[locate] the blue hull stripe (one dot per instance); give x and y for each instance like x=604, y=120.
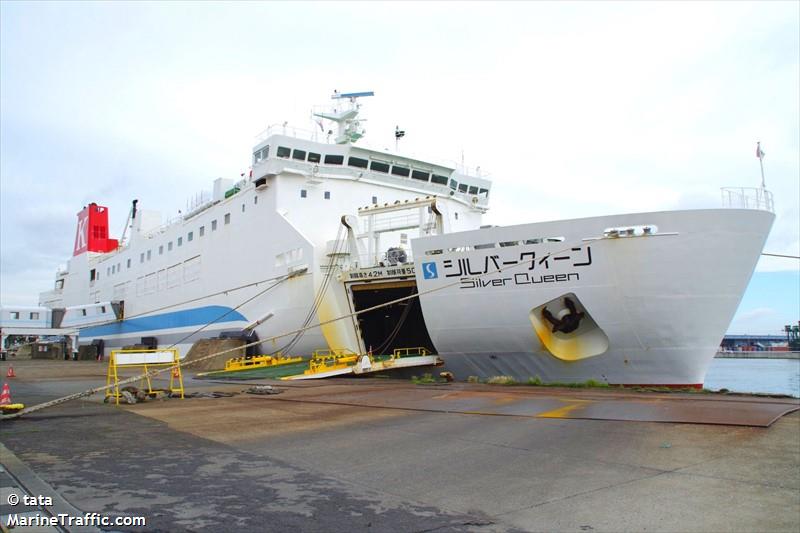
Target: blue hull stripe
x=179, y=319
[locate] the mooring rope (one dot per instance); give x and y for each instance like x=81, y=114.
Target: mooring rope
x=153, y=373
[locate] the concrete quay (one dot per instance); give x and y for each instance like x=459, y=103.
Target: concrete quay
x=379, y=455
x=758, y=355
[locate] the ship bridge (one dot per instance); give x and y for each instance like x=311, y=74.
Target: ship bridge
x=330, y=154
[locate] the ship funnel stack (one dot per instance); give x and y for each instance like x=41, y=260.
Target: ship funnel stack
x=349, y=129
x=92, y=234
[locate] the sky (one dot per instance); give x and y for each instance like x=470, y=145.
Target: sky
x=574, y=108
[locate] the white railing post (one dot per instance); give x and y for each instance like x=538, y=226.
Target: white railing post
x=747, y=198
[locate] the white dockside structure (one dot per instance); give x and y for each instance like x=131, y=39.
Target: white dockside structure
x=323, y=228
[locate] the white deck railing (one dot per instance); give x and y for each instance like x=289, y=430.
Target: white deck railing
x=747, y=198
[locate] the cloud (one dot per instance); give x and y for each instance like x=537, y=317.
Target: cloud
x=757, y=320
x=575, y=109
x=756, y=314
x=761, y=320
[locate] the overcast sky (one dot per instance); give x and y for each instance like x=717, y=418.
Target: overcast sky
x=576, y=109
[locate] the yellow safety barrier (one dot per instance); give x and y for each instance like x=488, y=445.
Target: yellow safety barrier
x=418, y=351
x=258, y=361
x=123, y=359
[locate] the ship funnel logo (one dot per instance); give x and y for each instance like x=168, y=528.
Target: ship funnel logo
x=429, y=270
x=81, y=237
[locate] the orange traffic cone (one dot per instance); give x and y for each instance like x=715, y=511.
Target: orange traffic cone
x=10, y=373
x=5, y=396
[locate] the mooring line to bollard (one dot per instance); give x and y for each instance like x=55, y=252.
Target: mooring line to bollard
x=153, y=373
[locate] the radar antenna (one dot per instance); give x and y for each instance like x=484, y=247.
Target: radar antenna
x=349, y=125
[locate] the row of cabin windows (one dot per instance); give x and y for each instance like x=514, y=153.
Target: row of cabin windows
x=375, y=166
x=113, y=269
x=33, y=316
x=358, y=162
x=469, y=189
x=311, y=157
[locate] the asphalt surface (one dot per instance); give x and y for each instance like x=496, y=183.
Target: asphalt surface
x=261, y=463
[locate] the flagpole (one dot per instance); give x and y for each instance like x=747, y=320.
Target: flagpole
x=761, y=163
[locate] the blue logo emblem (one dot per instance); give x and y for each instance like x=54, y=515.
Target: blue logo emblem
x=429, y=271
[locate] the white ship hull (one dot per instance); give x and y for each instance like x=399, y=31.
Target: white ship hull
x=664, y=301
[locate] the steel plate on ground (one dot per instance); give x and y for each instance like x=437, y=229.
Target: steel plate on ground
x=559, y=403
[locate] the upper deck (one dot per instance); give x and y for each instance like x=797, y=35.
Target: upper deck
x=279, y=152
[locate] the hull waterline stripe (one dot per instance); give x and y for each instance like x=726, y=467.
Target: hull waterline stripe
x=176, y=319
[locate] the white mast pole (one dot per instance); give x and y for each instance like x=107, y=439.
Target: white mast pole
x=760, y=155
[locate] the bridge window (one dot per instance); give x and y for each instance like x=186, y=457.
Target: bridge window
x=260, y=155
x=334, y=159
x=284, y=152
x=300, y=155
x=34, y=316
x=213, y=225
x=453, y=184
x=374, y=199
x=313, y=158
x=401, y=171
x=462, y=187
x=14, y=315
x=180, y=241
x=202, y=230
x=303, y=193
x=357, y=162
x=227, y=218
x=473, y=190
x=327, y=195
x=441, y=180
x=190, y=236
x=419, y=175
x=379, y=167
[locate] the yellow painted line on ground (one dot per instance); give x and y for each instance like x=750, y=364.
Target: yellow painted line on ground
x=563, y=412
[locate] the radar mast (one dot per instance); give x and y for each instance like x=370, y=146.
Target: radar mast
x=346, y=118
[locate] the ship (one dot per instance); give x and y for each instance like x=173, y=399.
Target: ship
x=388, y=252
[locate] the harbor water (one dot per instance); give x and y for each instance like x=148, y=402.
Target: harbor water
x=769, y=376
